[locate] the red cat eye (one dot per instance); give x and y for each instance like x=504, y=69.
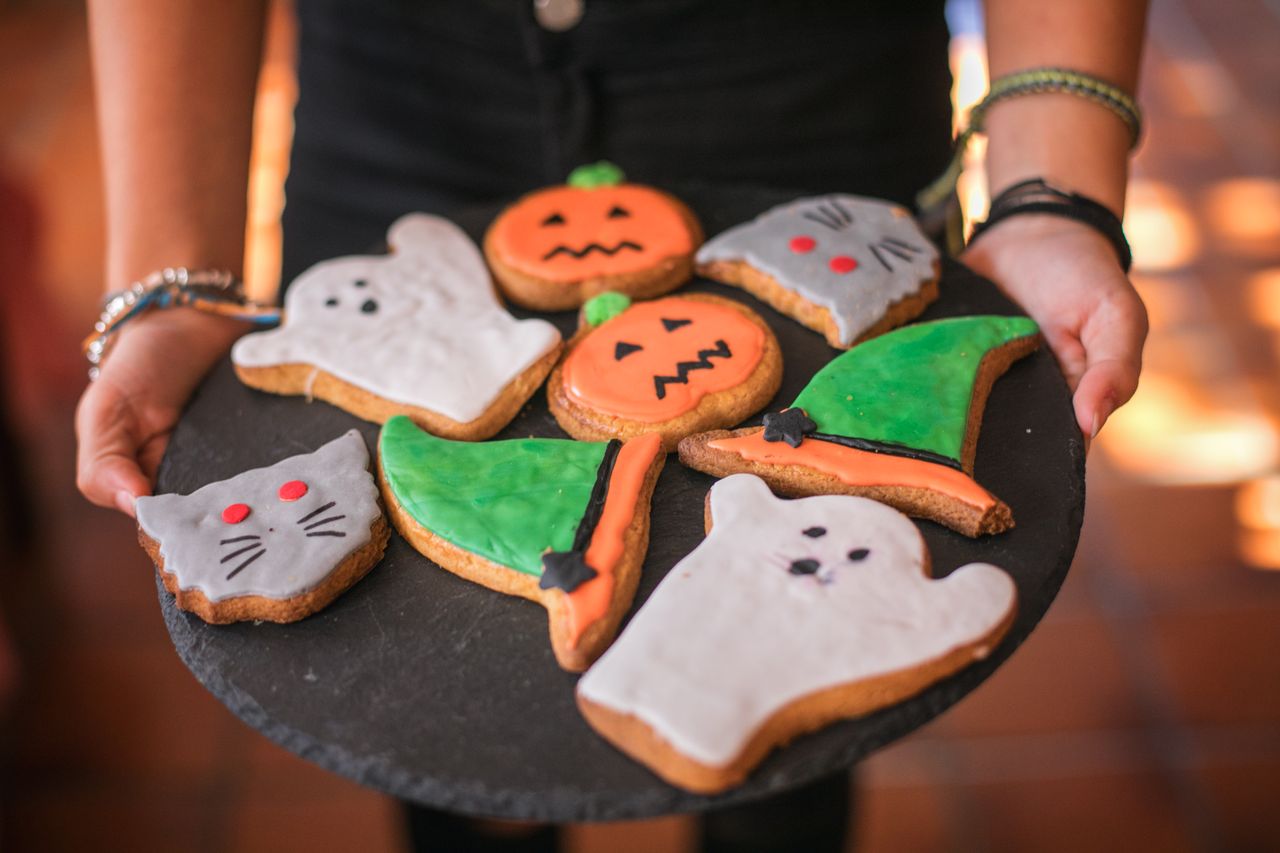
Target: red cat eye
x=235, y=513
x=802, y=243
x=292, y=490
x=843, y=264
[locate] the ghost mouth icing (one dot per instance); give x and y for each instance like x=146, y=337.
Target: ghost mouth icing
x=684, y=368
x=592, y=247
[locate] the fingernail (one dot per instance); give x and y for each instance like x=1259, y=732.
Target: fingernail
x=1105, y=408
x=125, y=501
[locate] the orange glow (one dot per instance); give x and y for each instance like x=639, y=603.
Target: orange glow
x=1245, y=212
x=1258, y=512
x=1262, y=292
x=969, y=71
x=1169, y=304
x=1160, y=227
x=1169, y=434
x=269, y=163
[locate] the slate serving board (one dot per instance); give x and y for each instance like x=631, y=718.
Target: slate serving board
x=433, y=689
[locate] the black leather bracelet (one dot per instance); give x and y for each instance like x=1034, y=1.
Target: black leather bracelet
x=1035, y=195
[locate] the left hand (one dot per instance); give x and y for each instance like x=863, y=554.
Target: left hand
x=1067, y=278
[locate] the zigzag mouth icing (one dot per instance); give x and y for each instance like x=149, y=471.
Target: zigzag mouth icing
x=684, y=368
x=592, y=247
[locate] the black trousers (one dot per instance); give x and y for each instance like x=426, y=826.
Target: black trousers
x=418, y=105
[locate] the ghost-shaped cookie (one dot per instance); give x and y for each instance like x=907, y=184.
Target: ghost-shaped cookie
x=843, y=265
x=275, y=543
x=789, y=615
x=417, y=332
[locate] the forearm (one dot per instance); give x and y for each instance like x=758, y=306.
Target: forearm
x=1063, y=138
x=175, y=82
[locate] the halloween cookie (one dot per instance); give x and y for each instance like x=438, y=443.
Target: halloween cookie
x=564, y=523
x=274, y=544
x=790, y=615
x=557, y=247
x=418, y=332
x=675, y=366
x=895, y=418
x=847, y=267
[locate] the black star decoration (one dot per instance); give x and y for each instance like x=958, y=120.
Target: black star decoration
x=566, y=570
x=789, y=425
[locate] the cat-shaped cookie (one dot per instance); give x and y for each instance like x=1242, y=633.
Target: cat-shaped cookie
x=418, y=332
x=275, y=543
x=790, y=615
x=845, y=266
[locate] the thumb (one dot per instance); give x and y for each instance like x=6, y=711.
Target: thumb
x=1112, y=340
x=107, y=468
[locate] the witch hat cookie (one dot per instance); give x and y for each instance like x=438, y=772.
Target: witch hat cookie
x=275, y=543
x=846, y=266
x=417, y=332
x=788, y=616
x=564, y=523
x=556, y=247
x=895, y=419
x=677, y=365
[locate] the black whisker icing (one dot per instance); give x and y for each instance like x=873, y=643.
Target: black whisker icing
x=239, y=539
x=240, y=567
x=327, y=533
x=316, y=512
x=323, y=521
x=235, y=554
x=875, y=250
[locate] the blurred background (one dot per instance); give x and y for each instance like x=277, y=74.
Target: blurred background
x=1144, y=714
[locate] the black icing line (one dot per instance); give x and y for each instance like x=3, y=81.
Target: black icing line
x=587, y=525
x=875, y=250
x=244, y=538
x=888, y=448
x=902, y=244
x=315, y=512
x=592, y=247
x=684, y=368
x=323, y=521
x=327, y=533
x=245, y=564
x=235, y=554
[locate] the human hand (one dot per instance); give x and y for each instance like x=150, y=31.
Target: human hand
x=125, y=417
x=1067, y=278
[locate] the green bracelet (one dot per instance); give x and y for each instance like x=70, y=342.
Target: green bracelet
x=1030, y=82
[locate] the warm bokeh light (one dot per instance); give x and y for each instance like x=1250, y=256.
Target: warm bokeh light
x=1245, y=213
x=1262, y=294
x=1161, y=229
x=1169, y=303
x=1171, y=434
x=272, y=138
x=969, y=73
x=1258, y=513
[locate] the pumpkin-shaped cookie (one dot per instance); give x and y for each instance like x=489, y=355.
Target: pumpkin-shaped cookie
x=673, y=366
x=557, y=247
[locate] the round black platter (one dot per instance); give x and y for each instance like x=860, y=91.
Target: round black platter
x=434, y=689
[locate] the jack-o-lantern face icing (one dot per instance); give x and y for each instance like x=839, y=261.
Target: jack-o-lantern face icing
x=657, y=360
x=593, y=226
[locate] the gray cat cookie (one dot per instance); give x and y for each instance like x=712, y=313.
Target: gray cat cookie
x=276, y=543
x=846, y=266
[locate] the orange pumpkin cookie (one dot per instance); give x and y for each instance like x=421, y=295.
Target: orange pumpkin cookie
x=557, y=247
x=674, y=366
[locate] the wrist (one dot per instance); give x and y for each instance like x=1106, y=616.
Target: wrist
x=1066, y=140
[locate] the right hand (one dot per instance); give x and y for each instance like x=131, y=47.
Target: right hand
x=125, y=417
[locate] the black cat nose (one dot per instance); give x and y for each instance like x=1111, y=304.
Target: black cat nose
x=804, y=567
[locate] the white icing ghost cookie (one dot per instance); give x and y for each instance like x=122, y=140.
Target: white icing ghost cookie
x=418, y=332
x=789, y=616
x=276, y=543
x=845, y=266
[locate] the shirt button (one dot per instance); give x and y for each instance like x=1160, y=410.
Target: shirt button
x=558, y=15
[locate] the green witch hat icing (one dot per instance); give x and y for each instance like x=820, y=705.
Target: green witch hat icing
x=909, y=389
x=524, y=503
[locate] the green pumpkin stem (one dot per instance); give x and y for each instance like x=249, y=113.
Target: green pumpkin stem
x=604, y=307
x=595, y=175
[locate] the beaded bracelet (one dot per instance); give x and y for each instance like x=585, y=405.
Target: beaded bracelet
x=1030, y=82
x=1035, y=195
x=211, y=291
